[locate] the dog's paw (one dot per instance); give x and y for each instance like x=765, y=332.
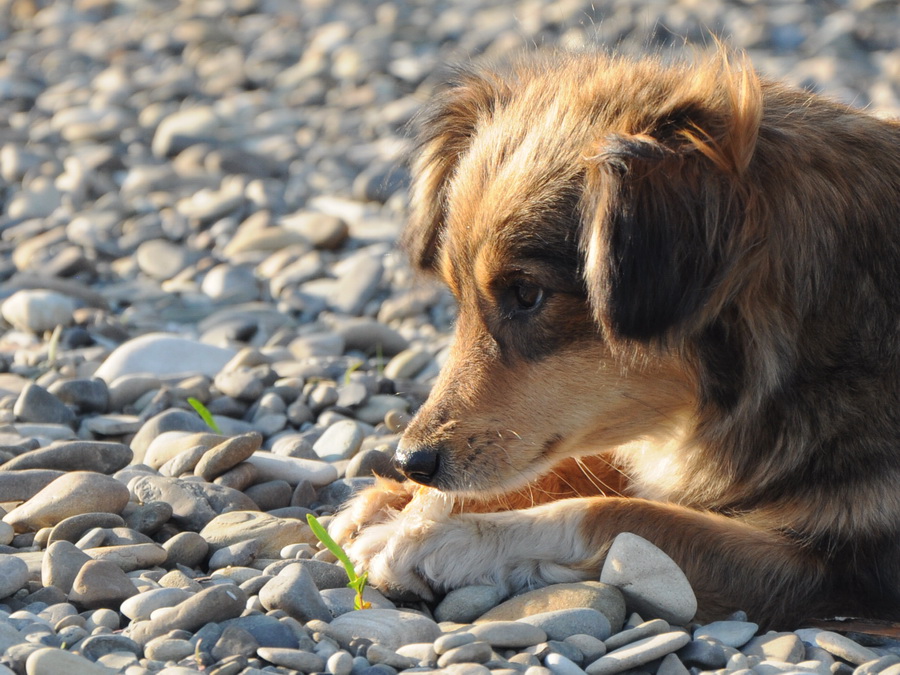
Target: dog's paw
x=372, y=506
x=389, y=531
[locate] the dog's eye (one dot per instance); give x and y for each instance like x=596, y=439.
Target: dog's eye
x=525, y=296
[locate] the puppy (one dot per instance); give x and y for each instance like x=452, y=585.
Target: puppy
x=679, y=316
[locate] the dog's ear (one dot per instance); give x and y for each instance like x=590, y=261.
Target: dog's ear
x=446, y=127
x=661, y=207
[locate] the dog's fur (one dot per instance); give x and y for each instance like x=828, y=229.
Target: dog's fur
x=679, y=302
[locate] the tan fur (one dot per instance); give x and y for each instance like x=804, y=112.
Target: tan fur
x=679, y=316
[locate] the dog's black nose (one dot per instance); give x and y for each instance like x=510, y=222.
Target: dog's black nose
x=419, y=464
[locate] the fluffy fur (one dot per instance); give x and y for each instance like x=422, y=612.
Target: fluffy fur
x=679, y=302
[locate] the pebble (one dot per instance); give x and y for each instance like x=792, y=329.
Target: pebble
x=294, y=470
x=13, y=575
x=510, y=634
x=562, y=623
x=99, y=456
x=653, y=585
x=273, y=533
x=36, y=404
x=163, y=355
x=601, y=597
x=729, y=633
x=71, y=494
x=340, y=441
x=294, y=659
x=101, y=583
x=36, y=311
x=845, y=648
x=227, y=455
x=785, y=647
x=140, y=607
x=61, y=564
x=294, y=591
x=638, y=653
x=390, y=628
x=48, y=661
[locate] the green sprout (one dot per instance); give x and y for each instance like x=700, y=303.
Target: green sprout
x=357, y=581
x=204, y=414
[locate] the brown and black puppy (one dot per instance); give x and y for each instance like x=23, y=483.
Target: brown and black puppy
x=679, y=316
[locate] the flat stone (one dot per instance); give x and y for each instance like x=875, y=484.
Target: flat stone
x=272, y=532
x=785, y=647
x=13, y=575
x=292, y=469
x=36, y=404
x=472, y=652
x=562, y=623
x=72, y=528
x=95, y=647
x=729, y=633
x=130, y=557
x=845, y=648
x=464, y=605
x=342, y=600
x=99, y=456
x=653, y=585
x=101, y=583
x=604, y=598
x=22, y=485
x=390, y=628
x=161, y=354
x=638, y=653
x=295, y=659
x=216, y=603
x=370, y=336
x=639, y=632
x=227, y=454
x=357, y=284
x=61, y=563
x=509, y=634
x=51, y=660
x=70, y=494
x=140, y=607
x=170, y=444
x=294, y=591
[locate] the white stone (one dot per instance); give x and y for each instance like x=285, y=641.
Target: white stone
x=653, y=585
x=163, y=354
x=292, y=469
x=38, y=310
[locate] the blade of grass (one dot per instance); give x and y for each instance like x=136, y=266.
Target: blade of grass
x=356, y=581
x=205, y=415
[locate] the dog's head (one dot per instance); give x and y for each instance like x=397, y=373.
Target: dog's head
x=583, y=210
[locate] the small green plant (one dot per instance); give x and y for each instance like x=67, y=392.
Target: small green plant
x=352, y=368
x=205, y=415
x=357, y=581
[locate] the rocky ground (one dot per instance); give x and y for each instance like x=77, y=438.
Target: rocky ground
x=200, y=200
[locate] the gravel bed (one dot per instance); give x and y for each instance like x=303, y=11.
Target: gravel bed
x=200, y=201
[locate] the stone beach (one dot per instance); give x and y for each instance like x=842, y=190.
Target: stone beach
x=201, y=200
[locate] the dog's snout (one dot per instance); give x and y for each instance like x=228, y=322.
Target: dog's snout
x=419, y=464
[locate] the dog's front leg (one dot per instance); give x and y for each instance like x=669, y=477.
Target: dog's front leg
x=730, y=565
